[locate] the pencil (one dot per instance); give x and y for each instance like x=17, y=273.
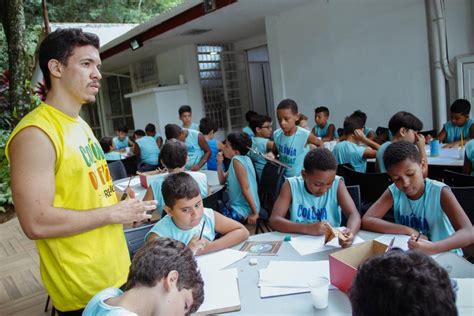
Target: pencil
x=124, y=194
x=202, y=230
x=418, y=237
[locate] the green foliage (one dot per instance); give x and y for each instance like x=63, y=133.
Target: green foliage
x=5, y=190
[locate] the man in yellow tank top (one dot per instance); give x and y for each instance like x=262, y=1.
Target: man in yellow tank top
x=63, y=193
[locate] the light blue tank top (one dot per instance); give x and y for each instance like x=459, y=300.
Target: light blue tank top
x=453, y=132
x=167, y=228
x=323, y=132
x=212, y=162
x=470, y=153
x=349, y=152
x=97, y=307
x=367, y=130
x=119, y=144
x=291, y=149
x=379, y=156
x=307, y=208
x=112, y=155
x=193, y=126
x=424, y=214
x=149, y=151
x=194, y=150
x=260, y=144
x=236, y=197
x=157, y=135
x=156, y=184
x=247, y=130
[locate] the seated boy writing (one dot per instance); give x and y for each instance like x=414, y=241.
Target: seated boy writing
x=173, y=156
x=186, y=218
x=163, y=280
x=423, y=208
x=460, y=125
x=244, y=203
x=109, y=150
x=350, y=151
x=315, y=197
x=147, y=151
x=261, y=126
x=403, y=126
x=402, y=283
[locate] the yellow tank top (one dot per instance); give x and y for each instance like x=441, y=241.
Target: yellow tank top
x=77, y=267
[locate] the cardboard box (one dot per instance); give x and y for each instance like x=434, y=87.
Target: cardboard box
x=147, y=177
x=343, y=265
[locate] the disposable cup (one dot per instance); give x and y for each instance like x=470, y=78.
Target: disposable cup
x=320, y=292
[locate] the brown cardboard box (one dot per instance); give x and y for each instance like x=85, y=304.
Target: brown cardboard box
x=147, y=177
x=343, y=265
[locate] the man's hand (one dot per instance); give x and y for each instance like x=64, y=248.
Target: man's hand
x=131, y=211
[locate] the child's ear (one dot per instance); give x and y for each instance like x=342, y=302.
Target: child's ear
x=303, y=174
x=171, y=280
x=168, y=210
x=424, y=166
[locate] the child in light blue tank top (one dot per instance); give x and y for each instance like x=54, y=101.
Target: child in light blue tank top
x=469, y=158
x=459, y=126
x=423, y=208
x=189, y=222
x=108, y=149
x=261, y=143
x=149, y=151
x=208, y=128
x=248, y=117
x=316, y=197
x=323, y=128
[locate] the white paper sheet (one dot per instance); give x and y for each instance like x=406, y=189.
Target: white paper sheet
x=401, y=241
x=123, y=184
x=219, y=260
x=212, y=177
x=219, y=298
x=465, y=293
x=306, y=245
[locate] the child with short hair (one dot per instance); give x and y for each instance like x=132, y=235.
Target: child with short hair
x=315, y=197
x=403, y=126
x=350, y=151
x=468, y=167
x=122, y=141
x=244, y=203
x=290, y=140
x=368, y=132
x=164, y=279
x=150, y=130
x=248, y=117
x=261, y=126
x=173, y=156
x=147, y=150
x=186, y=116
x=198, y=149
x=186, y=218
x=402, y=283
x=208, y=128
x=460, y=124
x=303, y=121
x=323, y=129
x=109, y=149
x=420, y=205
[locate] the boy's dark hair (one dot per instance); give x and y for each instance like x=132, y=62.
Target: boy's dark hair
x=288, y=104
x=360, y=114
x=406, y=120
x=105, y=143
x=173, y=154
x=301, y=117
x=156, y=259
x=179, y=186
x=319, y=159
x=122, y=128
x=240, y=141
x=320, y=109
x=150, y=128
x=351, y=123
x=207, y=125
x=400, y=151
x=139, y=132
x=258, y=121
x=461, y=106
x=183, y=109
x=172, y=131
x=60, y=45
x=402, y=283
x=249, y=115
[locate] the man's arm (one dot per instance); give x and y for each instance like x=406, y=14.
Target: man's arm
x=32, y=161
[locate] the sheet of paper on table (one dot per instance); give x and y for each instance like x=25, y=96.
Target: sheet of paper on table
x=219, y=260
x=401, y=241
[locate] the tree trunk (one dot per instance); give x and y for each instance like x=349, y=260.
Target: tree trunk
x=14, y=26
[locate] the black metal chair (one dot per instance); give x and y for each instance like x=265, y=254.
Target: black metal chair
x=117, y=170
x=271, y=181
x=341, y=171
x=135, y=237
x=354, y=191
x=465, y=197
x=456, y=179
x=433, y=133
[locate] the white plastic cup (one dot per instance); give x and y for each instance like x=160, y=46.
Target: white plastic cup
x=461, y=153
x=320, y=292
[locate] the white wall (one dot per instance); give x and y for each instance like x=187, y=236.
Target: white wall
x=368, y=54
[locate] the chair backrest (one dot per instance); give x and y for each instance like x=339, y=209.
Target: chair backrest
x=354, y=191
x=341, y=171
x=372, y=185
x=271, y=180
x=340, y=131
x=433, y=133
x=456, y=179
x=465, y=197
x=117, y=170
x=135, y=237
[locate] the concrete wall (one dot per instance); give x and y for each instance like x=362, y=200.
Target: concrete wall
x=369, y=55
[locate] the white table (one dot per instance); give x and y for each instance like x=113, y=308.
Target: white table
x=301, y=304
x=447, y=157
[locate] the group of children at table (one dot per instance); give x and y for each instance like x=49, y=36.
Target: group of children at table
x=312, y=194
